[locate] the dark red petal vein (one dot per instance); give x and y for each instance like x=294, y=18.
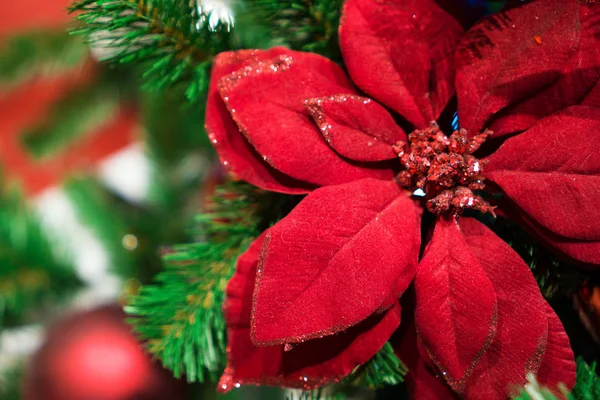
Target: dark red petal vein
x=583, y=252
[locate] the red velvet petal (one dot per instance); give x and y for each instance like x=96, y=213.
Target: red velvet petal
x=587, y=252
x=575, y=250
x=520, y=344
x=401, y=53
x=246, y=363
x=307, y=365
x=356, y=127
x=334, y=357
x=580, y=73
x=233, y=149
x=422, y=384
x=421, y=380
x=552, y=172
x=512, y=55
x=400, y=285
x=557, y=365
x=456, y=310
x=266, y=100
x=334, y=260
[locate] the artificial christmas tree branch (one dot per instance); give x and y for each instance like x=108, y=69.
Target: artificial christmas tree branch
x=163, y=114
x=586, y=388
x=32, y=276
x=317, y=394
x=172, y=38
x=588, y=383
x=175, y=41
x=31, y=54
x=78, y=113
x=384, y=369
x=309, y=25
x=10, y=382
x=180, y=315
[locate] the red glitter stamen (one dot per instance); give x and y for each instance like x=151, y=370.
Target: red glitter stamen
x=444, y=168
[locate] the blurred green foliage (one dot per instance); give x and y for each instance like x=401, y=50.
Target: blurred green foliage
x=32, y=275
x=31, y=54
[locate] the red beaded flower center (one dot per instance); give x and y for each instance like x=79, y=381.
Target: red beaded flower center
x=444, y=169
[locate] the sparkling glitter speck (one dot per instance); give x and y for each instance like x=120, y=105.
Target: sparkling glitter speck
x=419, y=193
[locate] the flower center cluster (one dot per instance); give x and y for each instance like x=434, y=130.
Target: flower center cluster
x=444, y=169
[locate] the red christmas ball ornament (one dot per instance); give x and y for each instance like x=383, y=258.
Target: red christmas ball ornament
x=94, y=356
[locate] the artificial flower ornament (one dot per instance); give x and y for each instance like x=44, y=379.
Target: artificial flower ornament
x=318, y=293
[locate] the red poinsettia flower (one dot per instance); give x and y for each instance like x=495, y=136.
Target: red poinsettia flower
x=317, y=294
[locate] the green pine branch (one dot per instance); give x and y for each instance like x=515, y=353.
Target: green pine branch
x=317, y=394
x=76, y=114
x=384, y=369
x=32, y=276
x=11, y=381
x=173, y=40
x=180, y=315
x=588, y=383
x=587, y=386
x=33, y=53
x=308, y=25
x=163, y=114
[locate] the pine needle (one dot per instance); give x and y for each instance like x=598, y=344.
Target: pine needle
x=384, y=369
x=174, y=40
x=587, y=386
x=180, y=315
x=308, y=25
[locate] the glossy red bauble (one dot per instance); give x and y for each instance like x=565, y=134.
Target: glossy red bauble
x=94, y=356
